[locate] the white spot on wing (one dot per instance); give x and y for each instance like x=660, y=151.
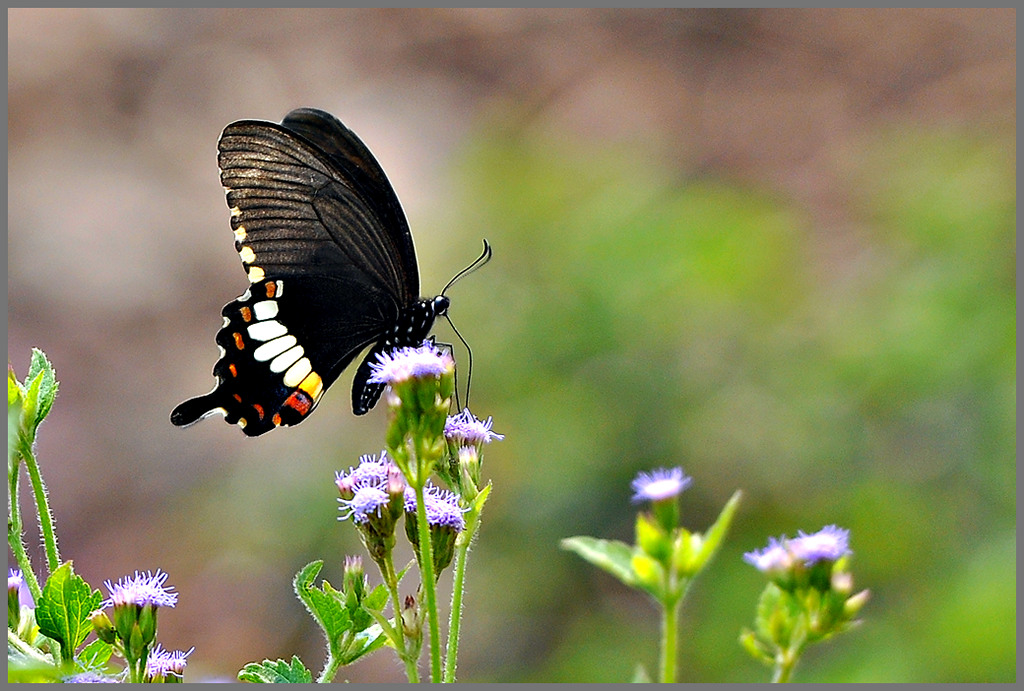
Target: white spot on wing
x=271, y=349
x=266, y=309
x=266, y=330
x=286, y=360
x=297, y=372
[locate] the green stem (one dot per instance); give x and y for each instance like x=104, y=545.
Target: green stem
x=15, y=530
x=458, y=585
x=426, y=554
x=330, y=669
x=669, y=636
x=785, y=663
x=455, y=616
x=412, y=672
x=43, y=506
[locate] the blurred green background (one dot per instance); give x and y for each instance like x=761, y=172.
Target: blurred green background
x=776, y=248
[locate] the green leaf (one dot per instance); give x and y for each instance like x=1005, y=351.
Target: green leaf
x=22, y=669
x=307, y=574
x=326, y=608
x=64, y=608
x=377, y=598
x=365, y=642
x=611, y=555
x=330, y=611
x=14, y=388
x=94, y=657
x=757, y=650
x=712, y=540
x=15, y=405
x=30, y=406
x=39, y=367
x=279, y=672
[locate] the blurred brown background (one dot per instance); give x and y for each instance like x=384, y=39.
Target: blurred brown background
x=120, y=258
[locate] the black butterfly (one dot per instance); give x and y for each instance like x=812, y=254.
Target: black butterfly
x=332, y=270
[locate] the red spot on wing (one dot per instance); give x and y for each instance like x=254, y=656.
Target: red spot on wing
x=300, y=402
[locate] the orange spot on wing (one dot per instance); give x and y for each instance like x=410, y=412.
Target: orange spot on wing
x=246, y=314
x=300, y=402
x=271, y=289
x=259, y=410
x=239, y=341
x=233, y=369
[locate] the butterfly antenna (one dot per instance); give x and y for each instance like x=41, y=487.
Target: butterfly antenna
x=484, y=257
x=469, y=362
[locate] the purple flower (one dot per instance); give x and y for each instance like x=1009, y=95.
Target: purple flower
x=771, y=559
x=828, y=544
x=659, y=485
x=16, y=582
x=141, y=590
x=371, y=472
x=366, y=501
x=464, y=429
x=162, y=663
x=782, y=554
x=407, y=363
x=442, y=507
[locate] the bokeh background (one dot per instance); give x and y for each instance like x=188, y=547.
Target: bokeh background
x=776, y=248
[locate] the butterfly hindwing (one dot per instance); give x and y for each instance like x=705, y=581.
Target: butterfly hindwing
x=332, y=269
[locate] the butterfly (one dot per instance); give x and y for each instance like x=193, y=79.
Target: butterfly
x=331, y=266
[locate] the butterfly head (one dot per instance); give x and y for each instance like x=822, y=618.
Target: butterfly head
x=440, y=305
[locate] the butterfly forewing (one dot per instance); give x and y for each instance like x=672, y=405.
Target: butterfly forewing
x=332, y=268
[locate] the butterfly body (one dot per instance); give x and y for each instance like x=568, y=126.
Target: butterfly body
x=332, y=270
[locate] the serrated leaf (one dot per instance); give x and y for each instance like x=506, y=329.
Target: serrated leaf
x=328, y=611
x=277, y=672
x=611, y=555
x=331, y=614
x=63, y=609
x=307, y=574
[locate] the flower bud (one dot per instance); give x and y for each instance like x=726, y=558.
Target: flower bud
x=147, y=624
x=354, y=582
x=469, y=473
x=652, y=538
x=854, y=603
x=102, y=626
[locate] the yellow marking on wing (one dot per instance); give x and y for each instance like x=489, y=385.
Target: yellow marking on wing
x=313, y=385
